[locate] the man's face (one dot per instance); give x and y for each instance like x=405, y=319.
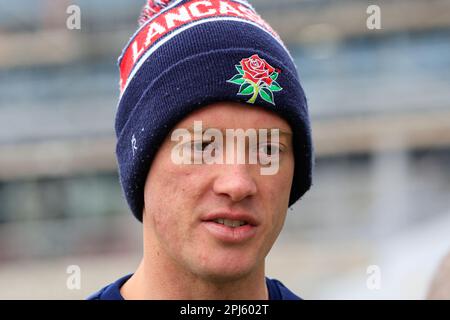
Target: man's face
x=183, y=202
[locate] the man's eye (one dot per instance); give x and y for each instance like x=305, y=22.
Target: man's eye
x=269, y=149
x=200, y=146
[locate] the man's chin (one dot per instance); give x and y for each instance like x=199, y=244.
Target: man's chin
x=226, y=273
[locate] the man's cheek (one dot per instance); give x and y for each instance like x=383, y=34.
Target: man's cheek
x=172, y=183
x=167, y=226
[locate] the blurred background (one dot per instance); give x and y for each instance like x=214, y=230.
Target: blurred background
x=380, y=106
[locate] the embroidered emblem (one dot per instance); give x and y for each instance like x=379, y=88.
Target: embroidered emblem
x=256, y=77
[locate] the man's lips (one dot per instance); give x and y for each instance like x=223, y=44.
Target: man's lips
x=244, y=226
x=232, y=215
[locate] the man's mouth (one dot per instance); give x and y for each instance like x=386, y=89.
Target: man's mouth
x=230, y=223
x=231, y=227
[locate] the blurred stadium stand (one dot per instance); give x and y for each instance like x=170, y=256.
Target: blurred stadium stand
x=380, y=103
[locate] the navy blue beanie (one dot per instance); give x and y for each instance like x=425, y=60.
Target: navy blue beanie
x=189, y=54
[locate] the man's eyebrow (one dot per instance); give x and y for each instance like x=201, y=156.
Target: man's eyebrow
x=281, y=132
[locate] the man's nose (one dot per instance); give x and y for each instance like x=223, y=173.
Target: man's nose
x=236, y=181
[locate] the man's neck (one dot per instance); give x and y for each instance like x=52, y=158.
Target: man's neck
x=154, y=280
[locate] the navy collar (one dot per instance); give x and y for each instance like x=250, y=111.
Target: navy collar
x=277, y=291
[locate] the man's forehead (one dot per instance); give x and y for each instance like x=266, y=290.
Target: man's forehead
x=233, y=115
x=281, y=132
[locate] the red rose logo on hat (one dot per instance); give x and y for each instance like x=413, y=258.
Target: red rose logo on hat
x=256, y=77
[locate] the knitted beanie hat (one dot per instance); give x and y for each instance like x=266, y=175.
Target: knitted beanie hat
x=187, y=54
